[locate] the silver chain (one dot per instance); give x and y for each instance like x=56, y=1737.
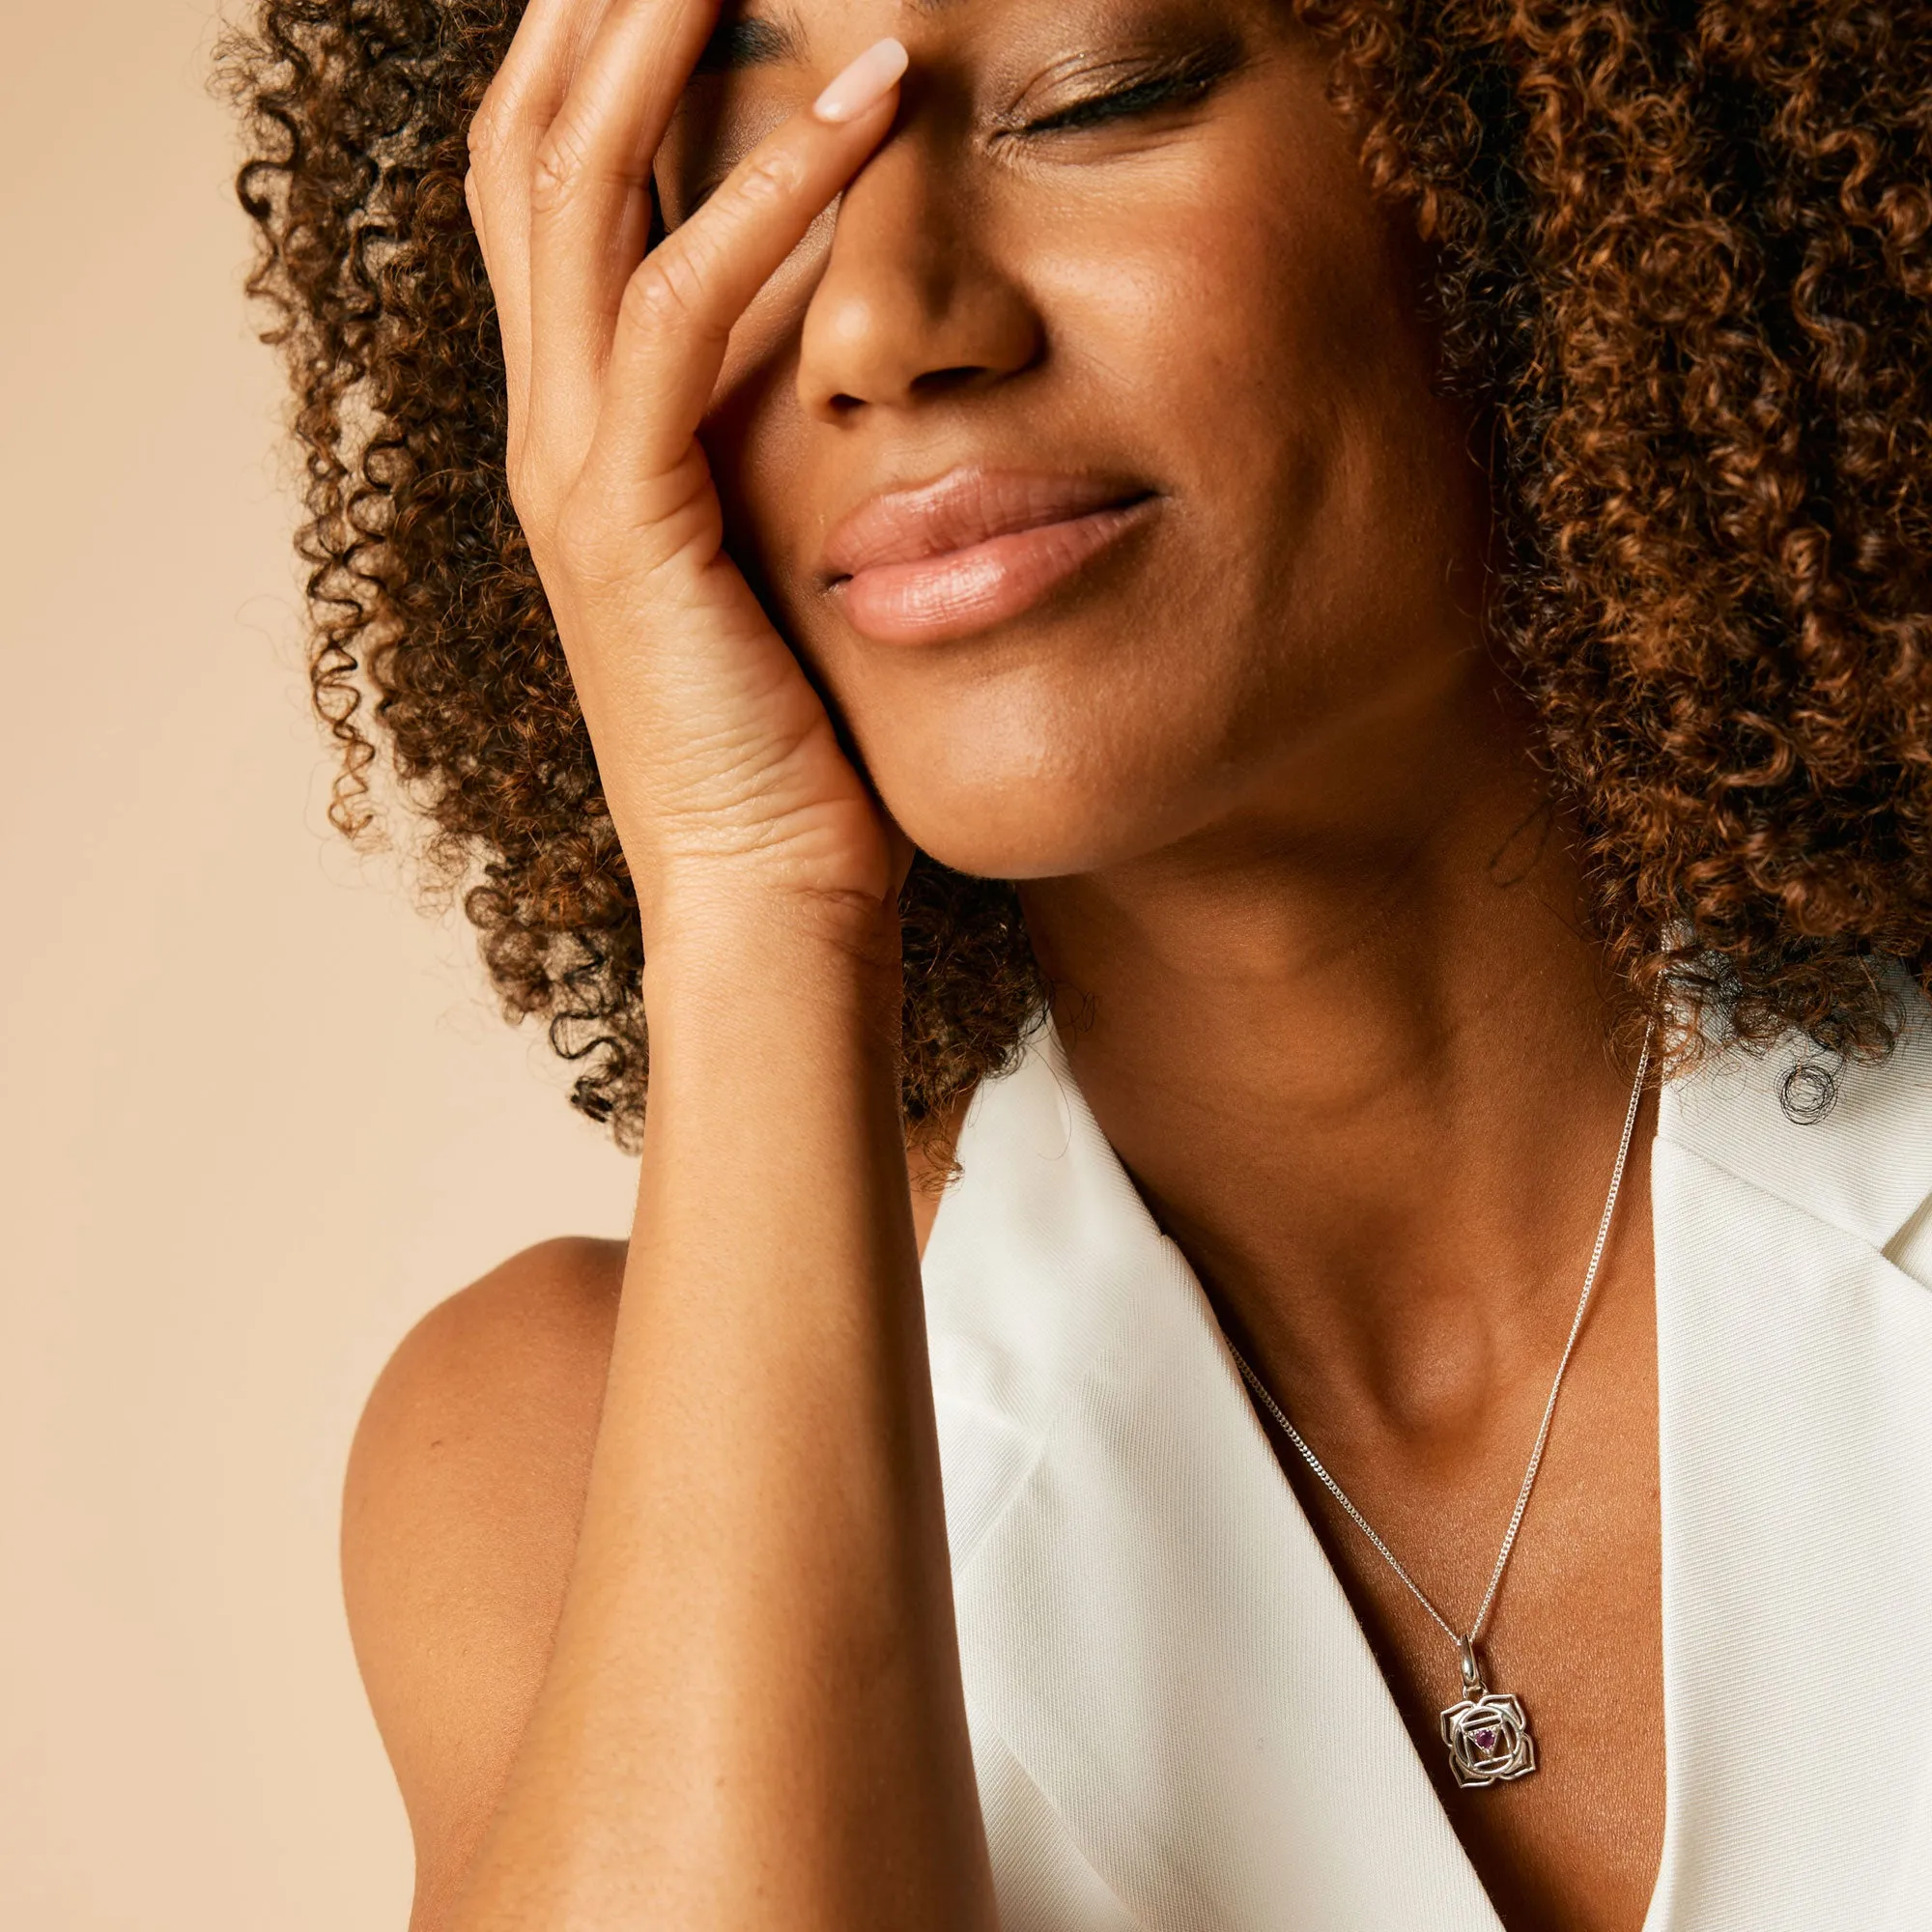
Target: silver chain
x=1361, y=1522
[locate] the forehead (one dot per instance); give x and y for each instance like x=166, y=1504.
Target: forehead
x=777, y=33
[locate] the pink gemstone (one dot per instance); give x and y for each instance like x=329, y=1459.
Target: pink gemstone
x=1486, y=1740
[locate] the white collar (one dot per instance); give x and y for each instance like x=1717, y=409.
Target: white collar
x=1151, y=1625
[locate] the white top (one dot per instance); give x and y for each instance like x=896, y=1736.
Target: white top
x=1177, y=1720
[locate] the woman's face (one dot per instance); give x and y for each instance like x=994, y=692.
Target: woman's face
x=1087, y=451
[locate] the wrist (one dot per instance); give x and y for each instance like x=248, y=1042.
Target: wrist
x=775, y=944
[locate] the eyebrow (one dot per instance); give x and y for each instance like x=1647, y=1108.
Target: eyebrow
x=756, y=40
x=762, y=40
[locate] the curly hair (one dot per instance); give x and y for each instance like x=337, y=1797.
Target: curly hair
x=1681, y=272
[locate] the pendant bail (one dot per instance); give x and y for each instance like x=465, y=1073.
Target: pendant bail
x=1488, y=1733
x=1472, y=1672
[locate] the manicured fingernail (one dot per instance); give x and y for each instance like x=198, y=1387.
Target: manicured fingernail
x=863, y=83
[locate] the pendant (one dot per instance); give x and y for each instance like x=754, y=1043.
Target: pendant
x=1488, y=1733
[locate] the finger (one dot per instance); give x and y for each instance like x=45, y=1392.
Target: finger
x=590, y=203
x=516, y=112
x=472, y=200
x=683, y=301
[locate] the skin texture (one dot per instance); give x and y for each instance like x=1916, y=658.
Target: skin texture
x=644, y=1551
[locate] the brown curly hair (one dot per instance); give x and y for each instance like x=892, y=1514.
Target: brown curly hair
x=1681, y=271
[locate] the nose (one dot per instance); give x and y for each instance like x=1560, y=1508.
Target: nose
x=913, y=302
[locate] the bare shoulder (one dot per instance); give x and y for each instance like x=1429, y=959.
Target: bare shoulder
x=464, y=1490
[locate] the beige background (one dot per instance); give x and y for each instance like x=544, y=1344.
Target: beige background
x=255, y=1112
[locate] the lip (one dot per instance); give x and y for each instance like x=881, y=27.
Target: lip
x=971, y=548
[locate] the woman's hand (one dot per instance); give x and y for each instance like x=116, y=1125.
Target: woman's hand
x=746, y=1687
x=721, y=767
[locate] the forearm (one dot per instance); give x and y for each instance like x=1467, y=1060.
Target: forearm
x=753, y=1715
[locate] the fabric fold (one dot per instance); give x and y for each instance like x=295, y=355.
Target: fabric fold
x=1178, y=1722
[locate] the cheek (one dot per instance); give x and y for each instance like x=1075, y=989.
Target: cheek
x=1272, y=340
x=1257, y=317
x=1253, y=357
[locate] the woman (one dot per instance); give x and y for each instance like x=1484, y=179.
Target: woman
x=1400, y=536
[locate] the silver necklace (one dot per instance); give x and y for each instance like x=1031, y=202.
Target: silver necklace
x=1486, y=1731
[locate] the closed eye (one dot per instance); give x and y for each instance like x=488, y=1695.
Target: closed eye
x=1180, y=83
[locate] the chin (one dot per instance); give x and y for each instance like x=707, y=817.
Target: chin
x=1008, y=817
x=1011, y=840
x=1044, y=751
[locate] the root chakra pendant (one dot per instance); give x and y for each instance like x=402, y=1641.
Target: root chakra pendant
x=1488, y=1733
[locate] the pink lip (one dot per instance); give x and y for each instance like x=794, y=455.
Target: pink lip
x=971, y=550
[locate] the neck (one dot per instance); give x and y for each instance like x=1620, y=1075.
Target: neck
x=1355, y=1052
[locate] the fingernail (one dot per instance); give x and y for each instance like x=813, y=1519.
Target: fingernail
x=863, y=83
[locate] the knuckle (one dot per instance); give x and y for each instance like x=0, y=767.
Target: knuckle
x=579, y=530
x=489, y=132
x=523, y=494
x=775, y=175
x=595, y=551
x=640, y=536
x=558, y=169
x=664, y=293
